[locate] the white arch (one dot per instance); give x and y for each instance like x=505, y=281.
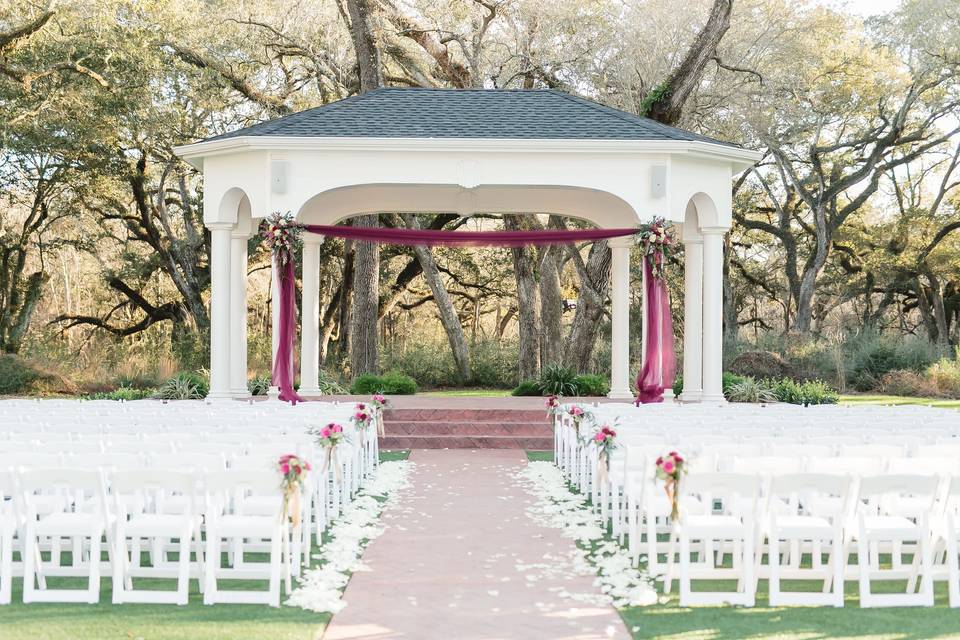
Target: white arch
x=598, y=207
x=230, y=203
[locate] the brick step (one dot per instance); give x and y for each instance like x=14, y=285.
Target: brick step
x=467, y=415
x=466, y=442
x=463, y=428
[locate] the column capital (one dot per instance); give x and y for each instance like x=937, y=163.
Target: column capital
x=219, y=226
x=697, y=240
x=312, y=238
x=713, y=231
x=240, y=235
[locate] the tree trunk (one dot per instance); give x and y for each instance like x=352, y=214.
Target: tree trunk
x=803, y=320
x=594, y=285
x=448, y=314
x=364, y=344
x=529, y=321
x=731, y=321
x=551, y=308
x=365, y=46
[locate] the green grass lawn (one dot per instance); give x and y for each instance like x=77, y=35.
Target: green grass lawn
x=898, y=400
x=105, y=621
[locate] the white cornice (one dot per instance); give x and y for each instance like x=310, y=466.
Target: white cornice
x=195, y=153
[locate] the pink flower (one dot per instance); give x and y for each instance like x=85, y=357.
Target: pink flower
x=336, y=428
x=325, y=432
x=361, y=406
x=285, y=468
x=600, y=437
x=668, y=466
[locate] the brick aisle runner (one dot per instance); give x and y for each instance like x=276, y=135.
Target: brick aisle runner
x=460, y=560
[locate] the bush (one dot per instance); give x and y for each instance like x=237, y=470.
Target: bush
x=762, y=365
x=527, y=388
x=750, y=390
x=810, y=392
x=16, y=375
x=908, y=383
x=872, y=355
x=392, y=383
x=186, y=385
x=492, y=364
x=592, y=385
x=122, y=393
x=258, y=385
x=558, y=380
x=945, y=375
x=330, y=386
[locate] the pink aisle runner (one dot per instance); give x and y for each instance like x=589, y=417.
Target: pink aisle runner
x=460, y=560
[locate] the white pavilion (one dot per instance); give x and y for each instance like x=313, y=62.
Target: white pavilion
x=465, y=152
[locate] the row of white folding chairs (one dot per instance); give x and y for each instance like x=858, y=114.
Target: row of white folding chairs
x=786, y=518
x=826, y=446
x=55, y=504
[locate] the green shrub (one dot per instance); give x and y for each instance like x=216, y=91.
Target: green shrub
x=493, y=365
x=122, y=393
x=810, y=392
x=750, y=390
x=872, y=355
x=908, y=383
x=678, y=385
x=17, y=375
x=945, y=376
x=186, y=385
x=392, y=383
x=258, y=385
x=557, y=380
x=592, y=385
x=527, y=388
x=329, y=385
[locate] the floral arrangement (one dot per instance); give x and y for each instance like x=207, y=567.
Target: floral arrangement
x=379, y=402
x=553, y=406
x=281, y=233
x=577, y=415
x=329, y=436
x=293, y=472
x=669, y=469
x=361, y=418
x=657, y=241
x=606, y=441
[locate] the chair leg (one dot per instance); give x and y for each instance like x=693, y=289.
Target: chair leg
x=211, y=566
x=120, y=572
x=276, y=562
x=30, y=561
x=93, y=583
x=183, y=576
x=953, y=568
x=6, y=567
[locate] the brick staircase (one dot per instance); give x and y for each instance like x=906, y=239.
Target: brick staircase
x=467, y=429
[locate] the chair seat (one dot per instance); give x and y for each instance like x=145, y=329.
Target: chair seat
x=249, y=526
x=891, y=525
x=716, y=526
x=263, y=505
x=800, y=525
x=152, y=524
x=70, y=524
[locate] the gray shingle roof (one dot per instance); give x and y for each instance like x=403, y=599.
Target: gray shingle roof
x=468, y=113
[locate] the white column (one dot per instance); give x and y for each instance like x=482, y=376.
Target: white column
x=273, y=392
x=310, y=316
x=238, y=315
x=620, y=319
x=219, y=310
x=692, y=320
x=713, y=313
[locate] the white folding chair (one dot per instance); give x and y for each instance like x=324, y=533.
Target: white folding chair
x=11, y=522
x=879, y=523
x=801, y=530
x=226, y=492
x=76, y=519
x=731, y=523
x=952, y=535
x=146, y=490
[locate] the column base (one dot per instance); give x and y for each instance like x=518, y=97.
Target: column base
x=621, y=394
x=691, y=396
x=273, y=393
x=315, y=391
x=218, y=396
x=713, y=398
x=240, y=394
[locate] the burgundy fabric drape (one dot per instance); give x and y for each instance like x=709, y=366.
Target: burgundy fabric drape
x=659, y=360
x=430, y=237
x=283, y=362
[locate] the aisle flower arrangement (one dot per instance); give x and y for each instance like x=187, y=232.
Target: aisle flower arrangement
x=553, y=406
x=577, y=415
x=670, y=468
x=293, y=472
x=606, y=441
x=361, y=417
x=379, y=402
x=329, y=437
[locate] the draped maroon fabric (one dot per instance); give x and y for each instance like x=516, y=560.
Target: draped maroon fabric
x=283, y=362
x=430, y=237
x=283, y=365
x=659, y=360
